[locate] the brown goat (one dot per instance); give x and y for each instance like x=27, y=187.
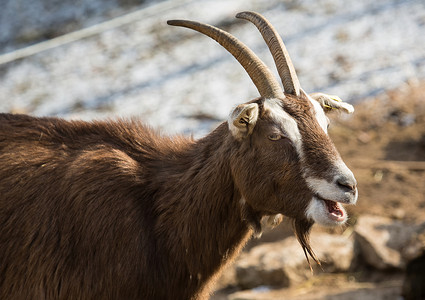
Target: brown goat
x=113, y=210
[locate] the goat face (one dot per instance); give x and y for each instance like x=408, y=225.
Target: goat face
x=286, y=162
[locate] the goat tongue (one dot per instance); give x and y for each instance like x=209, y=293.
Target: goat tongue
x=334, y=208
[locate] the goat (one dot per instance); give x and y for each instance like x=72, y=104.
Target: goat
x=114, y=210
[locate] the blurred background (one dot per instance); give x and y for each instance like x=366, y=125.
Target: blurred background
x=92, y=59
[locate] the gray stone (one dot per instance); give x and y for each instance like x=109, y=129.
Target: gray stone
x=336, y=252
x=284, y=264
x=386, y=243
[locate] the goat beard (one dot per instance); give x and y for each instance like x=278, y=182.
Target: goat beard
x=302, y=228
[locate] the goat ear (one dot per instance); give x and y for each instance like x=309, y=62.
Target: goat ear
x=242, y=120
x=331, y=102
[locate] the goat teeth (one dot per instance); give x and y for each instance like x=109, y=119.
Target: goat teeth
x=334, y=208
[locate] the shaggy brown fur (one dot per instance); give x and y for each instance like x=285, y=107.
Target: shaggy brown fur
x=112, y=210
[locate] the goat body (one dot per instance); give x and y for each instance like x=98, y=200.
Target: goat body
x=112, y=210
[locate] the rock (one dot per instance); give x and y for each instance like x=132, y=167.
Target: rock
x=283, y=263
x=372, y=234
x=271, y=264
x=335, y=252
x=416, y=246
x=387, y=244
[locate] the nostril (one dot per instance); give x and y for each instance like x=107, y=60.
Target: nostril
x=346, y=184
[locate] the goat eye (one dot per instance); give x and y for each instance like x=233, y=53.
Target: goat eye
x=274, y=137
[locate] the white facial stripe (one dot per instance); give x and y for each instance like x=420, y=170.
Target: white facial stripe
x=320, y=114
x=321, y=187
x=287, y=122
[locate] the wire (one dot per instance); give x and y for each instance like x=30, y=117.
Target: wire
x=139, y=15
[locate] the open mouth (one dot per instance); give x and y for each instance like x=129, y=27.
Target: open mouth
x=336, y=211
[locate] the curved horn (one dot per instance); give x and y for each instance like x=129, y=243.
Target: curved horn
x=280, y=55
x=266, y=84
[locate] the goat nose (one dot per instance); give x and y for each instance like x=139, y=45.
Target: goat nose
x=347, y=184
